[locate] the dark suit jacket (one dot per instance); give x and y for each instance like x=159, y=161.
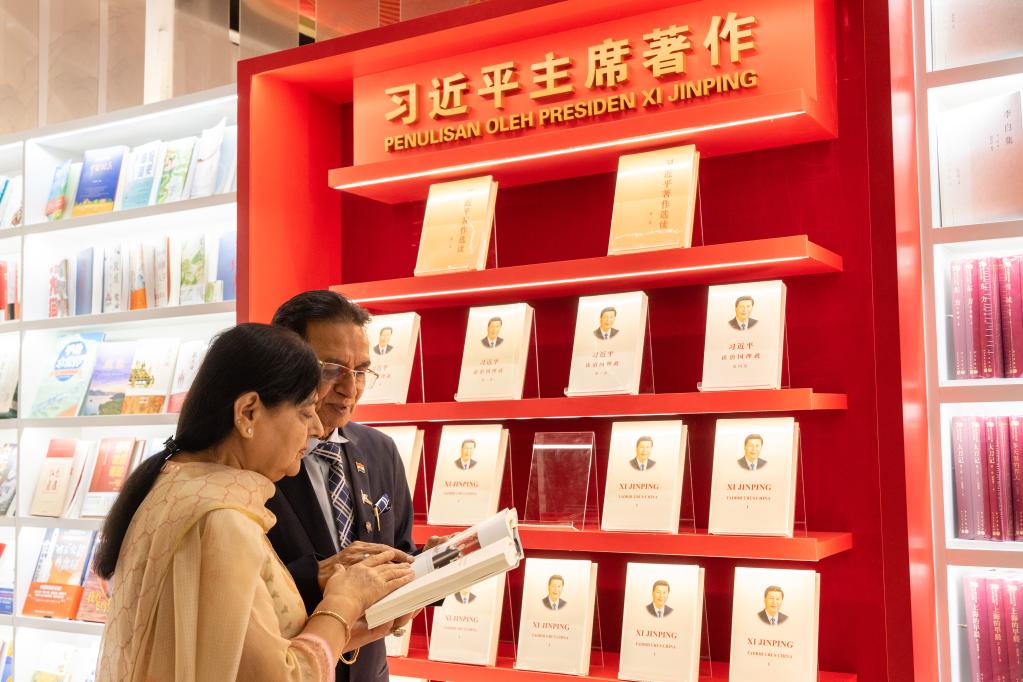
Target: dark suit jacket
x=635, y=463
x=611, y=334
x=387, y=349
x=458, y=597
x=547, y=603
x=652, y=610
x=750, y=323
x=781, y=617
x=761, y=463
x=458, y=464
x=301, y=535
x=497, y=342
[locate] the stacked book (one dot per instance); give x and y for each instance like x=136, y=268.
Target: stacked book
x=987, y=318
x=987, y=465
x=993, y=602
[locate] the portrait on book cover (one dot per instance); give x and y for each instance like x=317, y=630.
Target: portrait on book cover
x=465, y=459
x=493, y=338
x=771, y=613
x=383, y=345
x=642, y=461
x=751, y=459
x=658, y=606
x=553, y=600
x=743, y=309
x=606, y=329
x=465, y=597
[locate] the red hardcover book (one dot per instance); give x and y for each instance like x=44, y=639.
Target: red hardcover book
x=95, y=592
x=1011, y=308
x=978, y=642
x=1016, y=466
x=971, y=318
x=978, y=465
x=994, y=477
x=962, y=483
x=3, y=289
x=1013, y=600
x=990, y=319
x=958, y=321
x=1005, y=479
x=999, y=632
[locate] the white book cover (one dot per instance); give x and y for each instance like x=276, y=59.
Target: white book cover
x=556, y=628
x=227, y=167
x=13, y=201
x=193, y=270
x=397, y=645
x=645, y=469
x=470, y=469
x=143, y=169
x=745, y=336
x=972, y=31
x=161, y=273
x=607, y=350
x=753, y=489
x=494, y=356
x=206, y=161
x=980, y=161
x=655, y=198
x=392, y=356
x=466, y=627
x=113, y=278
x=8, y=370
x=775, y=619
x=152, y=370
x=409, y=441
x=190, y=357
x=457, y=224
x=662, y=623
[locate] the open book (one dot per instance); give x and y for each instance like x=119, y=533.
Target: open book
x=483, y=551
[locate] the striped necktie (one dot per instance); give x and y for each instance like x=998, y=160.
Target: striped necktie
x=340, y=492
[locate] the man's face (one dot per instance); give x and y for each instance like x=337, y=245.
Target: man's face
x=643, y=450
x=743, y=310
x=385, y=338
x=345, y=344
x=660, y=596
x=772, y=602
x=607, y=320
x=467, y=450
x=493, y=329
x=752, y=448
x=554, y=590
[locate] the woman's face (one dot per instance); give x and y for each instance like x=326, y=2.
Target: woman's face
x=279, y=437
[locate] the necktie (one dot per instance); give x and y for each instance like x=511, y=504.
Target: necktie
x=773, y=622
x=752, y=466
x=642, y=467
x=605, y=336
x=340, y=492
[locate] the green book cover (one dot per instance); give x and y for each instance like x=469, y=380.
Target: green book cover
x=177, y=159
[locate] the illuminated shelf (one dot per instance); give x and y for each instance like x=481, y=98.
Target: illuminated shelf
x=733, y=262
x=715, y=402
x=100, y=420
x=59, y=625
x=813, y=546
x=141, y=214
x=59, y=522
x=102, y=319
x=416, y=664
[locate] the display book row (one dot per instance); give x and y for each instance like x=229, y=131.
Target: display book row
x=90, y=376
x=654, y=203
x=10, y=288
x=742, y=349
x=64, y=583
x=993, y=609
x=142, y=275
x=753, y=488
x=965, y=32
x=987, y=317
x=987, y=477
x=157, y=172
x=11, y=211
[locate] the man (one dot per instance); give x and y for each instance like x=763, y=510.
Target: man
x=658, y=608
x=751, y=459
x=350, y=499
x=772, y=614
x=742, y=320
x=383, y=346
x=642, y=461
x=492, y=340
x=606, y=329
x=553, y=600
x=465, y=597
x=465, y=460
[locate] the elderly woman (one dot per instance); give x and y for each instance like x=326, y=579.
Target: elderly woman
x=198, y=593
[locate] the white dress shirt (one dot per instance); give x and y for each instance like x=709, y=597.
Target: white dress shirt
x=319, y=469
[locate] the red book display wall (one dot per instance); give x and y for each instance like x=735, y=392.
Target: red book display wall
x=787, y=191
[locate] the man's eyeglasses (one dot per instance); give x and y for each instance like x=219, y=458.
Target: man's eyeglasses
x=332, y=373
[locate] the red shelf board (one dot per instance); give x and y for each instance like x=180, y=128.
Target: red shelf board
x=734, y=262
x=813, y=546
x=416, y=664
x=724, y=127
x=715, y=402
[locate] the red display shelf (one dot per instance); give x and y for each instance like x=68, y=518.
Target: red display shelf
x=712, y=402
x=734, y=262
x=416, y=664
x=813, y=546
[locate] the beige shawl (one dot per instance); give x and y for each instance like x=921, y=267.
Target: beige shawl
x=199, y=593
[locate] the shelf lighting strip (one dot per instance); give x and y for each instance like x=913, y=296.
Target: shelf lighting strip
x=640, y=139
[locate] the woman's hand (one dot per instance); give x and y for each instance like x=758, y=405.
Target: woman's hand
x=368, y=581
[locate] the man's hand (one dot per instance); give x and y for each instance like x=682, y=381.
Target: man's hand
x=353, y=554
x=437, y=540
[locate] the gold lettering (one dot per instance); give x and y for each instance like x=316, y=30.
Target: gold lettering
x=606, y=63
x=499, y=80
x=667, y=50
x=447, y=95
x=406, y=98
x=549, y=75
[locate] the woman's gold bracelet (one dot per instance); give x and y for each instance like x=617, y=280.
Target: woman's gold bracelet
x=348, y=630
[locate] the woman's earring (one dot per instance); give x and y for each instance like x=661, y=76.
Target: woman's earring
x=249, y=430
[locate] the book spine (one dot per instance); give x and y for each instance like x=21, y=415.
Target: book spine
x=958, y=320
x=990, y=320
x=971, y=319
x=981, y=502
x=1012, y=316
x=1005, y=479
x=1013, y=614
x=993, y=478
x=974, y=588
x=999, y=640
x=1016, y=466
x=961, y=471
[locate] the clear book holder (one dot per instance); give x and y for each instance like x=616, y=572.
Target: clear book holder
x=562, y=481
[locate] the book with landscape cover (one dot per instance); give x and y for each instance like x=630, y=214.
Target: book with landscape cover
x=109, y=378
x=62, y=390
x=152, y=370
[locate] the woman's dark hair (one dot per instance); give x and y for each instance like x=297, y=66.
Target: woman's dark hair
x=272, y=361
x=318, y=305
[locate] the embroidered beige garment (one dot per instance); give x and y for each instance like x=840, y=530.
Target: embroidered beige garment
x=200, y=595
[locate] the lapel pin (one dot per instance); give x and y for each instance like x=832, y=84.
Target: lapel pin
x=360, y=467
x=369, y=527
x=365, y=498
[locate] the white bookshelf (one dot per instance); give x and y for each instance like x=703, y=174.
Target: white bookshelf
x=38, y=243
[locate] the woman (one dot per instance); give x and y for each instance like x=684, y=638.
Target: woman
x=198, y=593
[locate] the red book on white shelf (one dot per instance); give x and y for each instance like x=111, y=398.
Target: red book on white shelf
x=1011, y=309
x=113, y=463
x=962, y=475
x=993, y=479
x=1013, y=600
x=990, y=319
x=1000, y=634
x=1004, y=499
x=958, y=320
x=978, y=480
x=978, y=624
x=1016, y=467
x=56, y=587
x=95, y=592
x=971, y=319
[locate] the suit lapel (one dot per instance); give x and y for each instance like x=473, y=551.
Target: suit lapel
x=300, y=495
x=362, y=492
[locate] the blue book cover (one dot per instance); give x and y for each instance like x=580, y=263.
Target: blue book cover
x=6, y=602
x=142, y=172
x=61, y=392
x=109, y=378
x=227, y=263
x=83, y=282
x=97, y=188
